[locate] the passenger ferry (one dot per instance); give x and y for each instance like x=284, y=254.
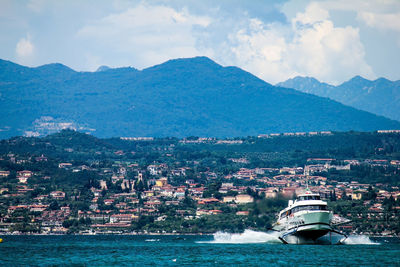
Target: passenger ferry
x=305, y=220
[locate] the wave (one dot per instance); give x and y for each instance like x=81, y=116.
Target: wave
x=247, y=237
x=359, y=240
x=152, y=240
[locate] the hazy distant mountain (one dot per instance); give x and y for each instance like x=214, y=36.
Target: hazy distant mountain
x=180, y=97
x=381, y=96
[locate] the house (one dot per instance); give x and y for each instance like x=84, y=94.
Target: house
x=122, y=218
x=22, y=180
x=127, y=184
x=201, y=212
x=119, y=153
x=41, y=197
x=197, y=191
x=152, y=203
x=243, y=199
x=271, y=193
x=243, y=213
x=108, y=201
x=228, y=199
x=167, y=192
x=115, y=178
x=133, y=200
x=293, y=171
x=41, y=158
x=23, y=189
x=239, y=160
x=395, y=163
x=176, y=173
x=26, y=174
x=157, y=169
x=289, y=191
x=57, y=195
x=225, y=187
x=162, y=182
x=38, y=208
x=208, y=201
x=179, y=193
x=121, y=206
x=356, y=196
x=103, y=185
x=172, y=202
x=148, y=193
x=215, y=212
x=4, y=173
x=18, y=207
x=110, y=225
x=338, y=167
x=65, y=165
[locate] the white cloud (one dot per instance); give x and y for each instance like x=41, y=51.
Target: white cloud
x=380, y=14
x=314, y=13
x=381, y=21
x=329, y=39
x=36, y=5
x=311, y=45
x=147, y=34
x=24, y=48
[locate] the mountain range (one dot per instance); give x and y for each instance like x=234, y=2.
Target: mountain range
x=380, y=96
x=181, y=97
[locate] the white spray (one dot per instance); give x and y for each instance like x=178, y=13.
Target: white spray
x=359, y=240
x=247, y=237
x=250, y=236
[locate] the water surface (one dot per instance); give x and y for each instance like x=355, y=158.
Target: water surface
x=189, y=250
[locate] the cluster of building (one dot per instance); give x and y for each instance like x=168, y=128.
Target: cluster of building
x=153, y=187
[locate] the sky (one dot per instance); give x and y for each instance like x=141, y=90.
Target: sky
x=331, y=40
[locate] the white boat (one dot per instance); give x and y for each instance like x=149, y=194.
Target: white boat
x=305, y=220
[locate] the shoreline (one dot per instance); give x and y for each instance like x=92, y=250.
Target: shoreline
x=156, y=234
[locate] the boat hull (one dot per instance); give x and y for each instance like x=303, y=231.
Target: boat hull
x=305, y=227
x=312, y=234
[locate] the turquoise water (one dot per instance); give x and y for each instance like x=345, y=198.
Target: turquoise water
x=229, y=250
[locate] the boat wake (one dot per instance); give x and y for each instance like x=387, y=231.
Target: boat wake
x=247, y=237
x=359, y=240
x=272, y=237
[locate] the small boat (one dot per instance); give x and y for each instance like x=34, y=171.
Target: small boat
x=305, y=220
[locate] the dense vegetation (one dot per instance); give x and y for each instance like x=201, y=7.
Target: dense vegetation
x=262, y=152
x=202, y=159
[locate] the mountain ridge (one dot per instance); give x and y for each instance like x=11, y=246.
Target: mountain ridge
x=180, y=97
x=380, y=96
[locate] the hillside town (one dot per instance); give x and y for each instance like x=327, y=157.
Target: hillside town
x=177, y=196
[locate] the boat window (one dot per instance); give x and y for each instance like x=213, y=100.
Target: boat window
x=285, y=214
x=309, y=207
x=309, y=198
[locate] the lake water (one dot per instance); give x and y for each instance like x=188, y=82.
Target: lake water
x=247, y=249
